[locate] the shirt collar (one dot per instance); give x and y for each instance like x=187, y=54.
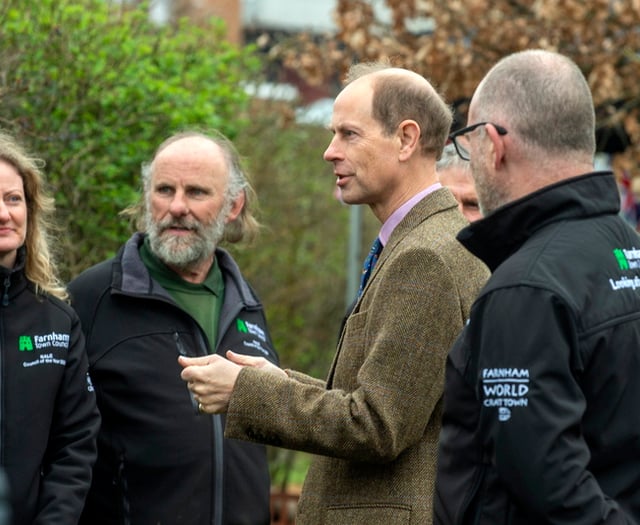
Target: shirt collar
x=165, y=275
x=397, y=216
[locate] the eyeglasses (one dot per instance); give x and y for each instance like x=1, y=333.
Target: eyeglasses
x=461, y=142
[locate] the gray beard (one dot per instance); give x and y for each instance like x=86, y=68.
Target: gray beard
x=185, y=251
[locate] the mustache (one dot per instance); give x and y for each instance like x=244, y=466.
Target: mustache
x=185, y=224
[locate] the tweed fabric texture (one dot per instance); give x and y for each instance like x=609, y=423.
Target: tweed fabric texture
x=374, y=423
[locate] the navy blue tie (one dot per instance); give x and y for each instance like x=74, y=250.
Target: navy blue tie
x=369, y=263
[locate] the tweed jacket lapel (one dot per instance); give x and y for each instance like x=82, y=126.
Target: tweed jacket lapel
x=435, y=202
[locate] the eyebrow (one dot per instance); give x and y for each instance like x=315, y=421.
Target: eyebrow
x=197, y=187
x=346, y=126
x=187, y=187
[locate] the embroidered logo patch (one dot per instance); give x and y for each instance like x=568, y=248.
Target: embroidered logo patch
x=25, y=344
x=246, y=327
x=505, y=388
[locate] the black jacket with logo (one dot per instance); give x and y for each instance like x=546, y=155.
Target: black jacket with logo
x=541, y=421
x=159, y=461
x=48, y=415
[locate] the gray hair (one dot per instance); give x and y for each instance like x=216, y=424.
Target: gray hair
x=451, y=159
x=544, y=98
x=245, y=226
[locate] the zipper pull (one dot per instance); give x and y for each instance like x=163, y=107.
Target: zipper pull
x=179, y=344
x=182, y=351
x=5, y=295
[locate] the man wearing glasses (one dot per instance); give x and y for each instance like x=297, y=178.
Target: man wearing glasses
x=541, y=421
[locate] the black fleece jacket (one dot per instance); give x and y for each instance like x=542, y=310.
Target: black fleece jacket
x=48, y=415
x=159, y=461
x=541, y=421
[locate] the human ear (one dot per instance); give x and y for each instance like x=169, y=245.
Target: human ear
x=409, y=134
x=236, y=208
x=497, y=144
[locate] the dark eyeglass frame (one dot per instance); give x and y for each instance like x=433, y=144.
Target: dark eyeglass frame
x=460, y=150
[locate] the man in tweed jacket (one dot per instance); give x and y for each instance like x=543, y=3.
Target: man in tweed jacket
x=374, y=423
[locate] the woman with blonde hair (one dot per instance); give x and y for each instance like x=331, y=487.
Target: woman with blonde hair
x=48, y=414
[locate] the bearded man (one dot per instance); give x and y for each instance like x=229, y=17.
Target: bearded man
x=172, y=291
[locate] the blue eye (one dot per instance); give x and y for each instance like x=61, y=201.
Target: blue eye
x=14, y=199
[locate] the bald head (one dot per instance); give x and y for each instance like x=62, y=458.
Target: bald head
x=542, y=102
x=400, y=94
x=208, y=153
x=542, y=97
x=193, y=152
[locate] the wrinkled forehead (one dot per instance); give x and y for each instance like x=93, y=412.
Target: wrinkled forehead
x=190, y=148
x=193, y=155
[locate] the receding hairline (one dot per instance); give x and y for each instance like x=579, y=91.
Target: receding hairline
x=194, y=145
x=198, y=146
x=202, y=141
x=373, y=74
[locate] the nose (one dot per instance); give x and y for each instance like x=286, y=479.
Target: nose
x=4, y=212
x=179, y=205
x=332, y=153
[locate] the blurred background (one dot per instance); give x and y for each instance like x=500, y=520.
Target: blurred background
x=93, y=86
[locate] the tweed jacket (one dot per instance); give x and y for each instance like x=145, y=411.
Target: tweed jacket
x=374, y=423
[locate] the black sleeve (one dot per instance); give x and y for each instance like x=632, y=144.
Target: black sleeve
x=532, y=406
x=71, y=450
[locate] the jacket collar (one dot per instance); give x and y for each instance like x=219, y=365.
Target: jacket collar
x=435, y=202
x=497, y=236
x=13, y=280
x=130, y=275
x=18, y=266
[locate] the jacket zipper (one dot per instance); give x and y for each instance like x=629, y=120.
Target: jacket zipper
x=218, y=437
x=218, y=451
x=183, y=352
x=471, y=494
x=5, y=295
x=218, y=491
x=126, y=511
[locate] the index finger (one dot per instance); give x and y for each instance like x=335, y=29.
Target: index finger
x=194, y=361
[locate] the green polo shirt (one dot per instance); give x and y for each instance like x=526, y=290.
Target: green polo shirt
x=202, y=301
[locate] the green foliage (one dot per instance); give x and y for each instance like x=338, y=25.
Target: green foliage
x=298, y=256
x=298, y=262
x=93, y=88
x=288, y=468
